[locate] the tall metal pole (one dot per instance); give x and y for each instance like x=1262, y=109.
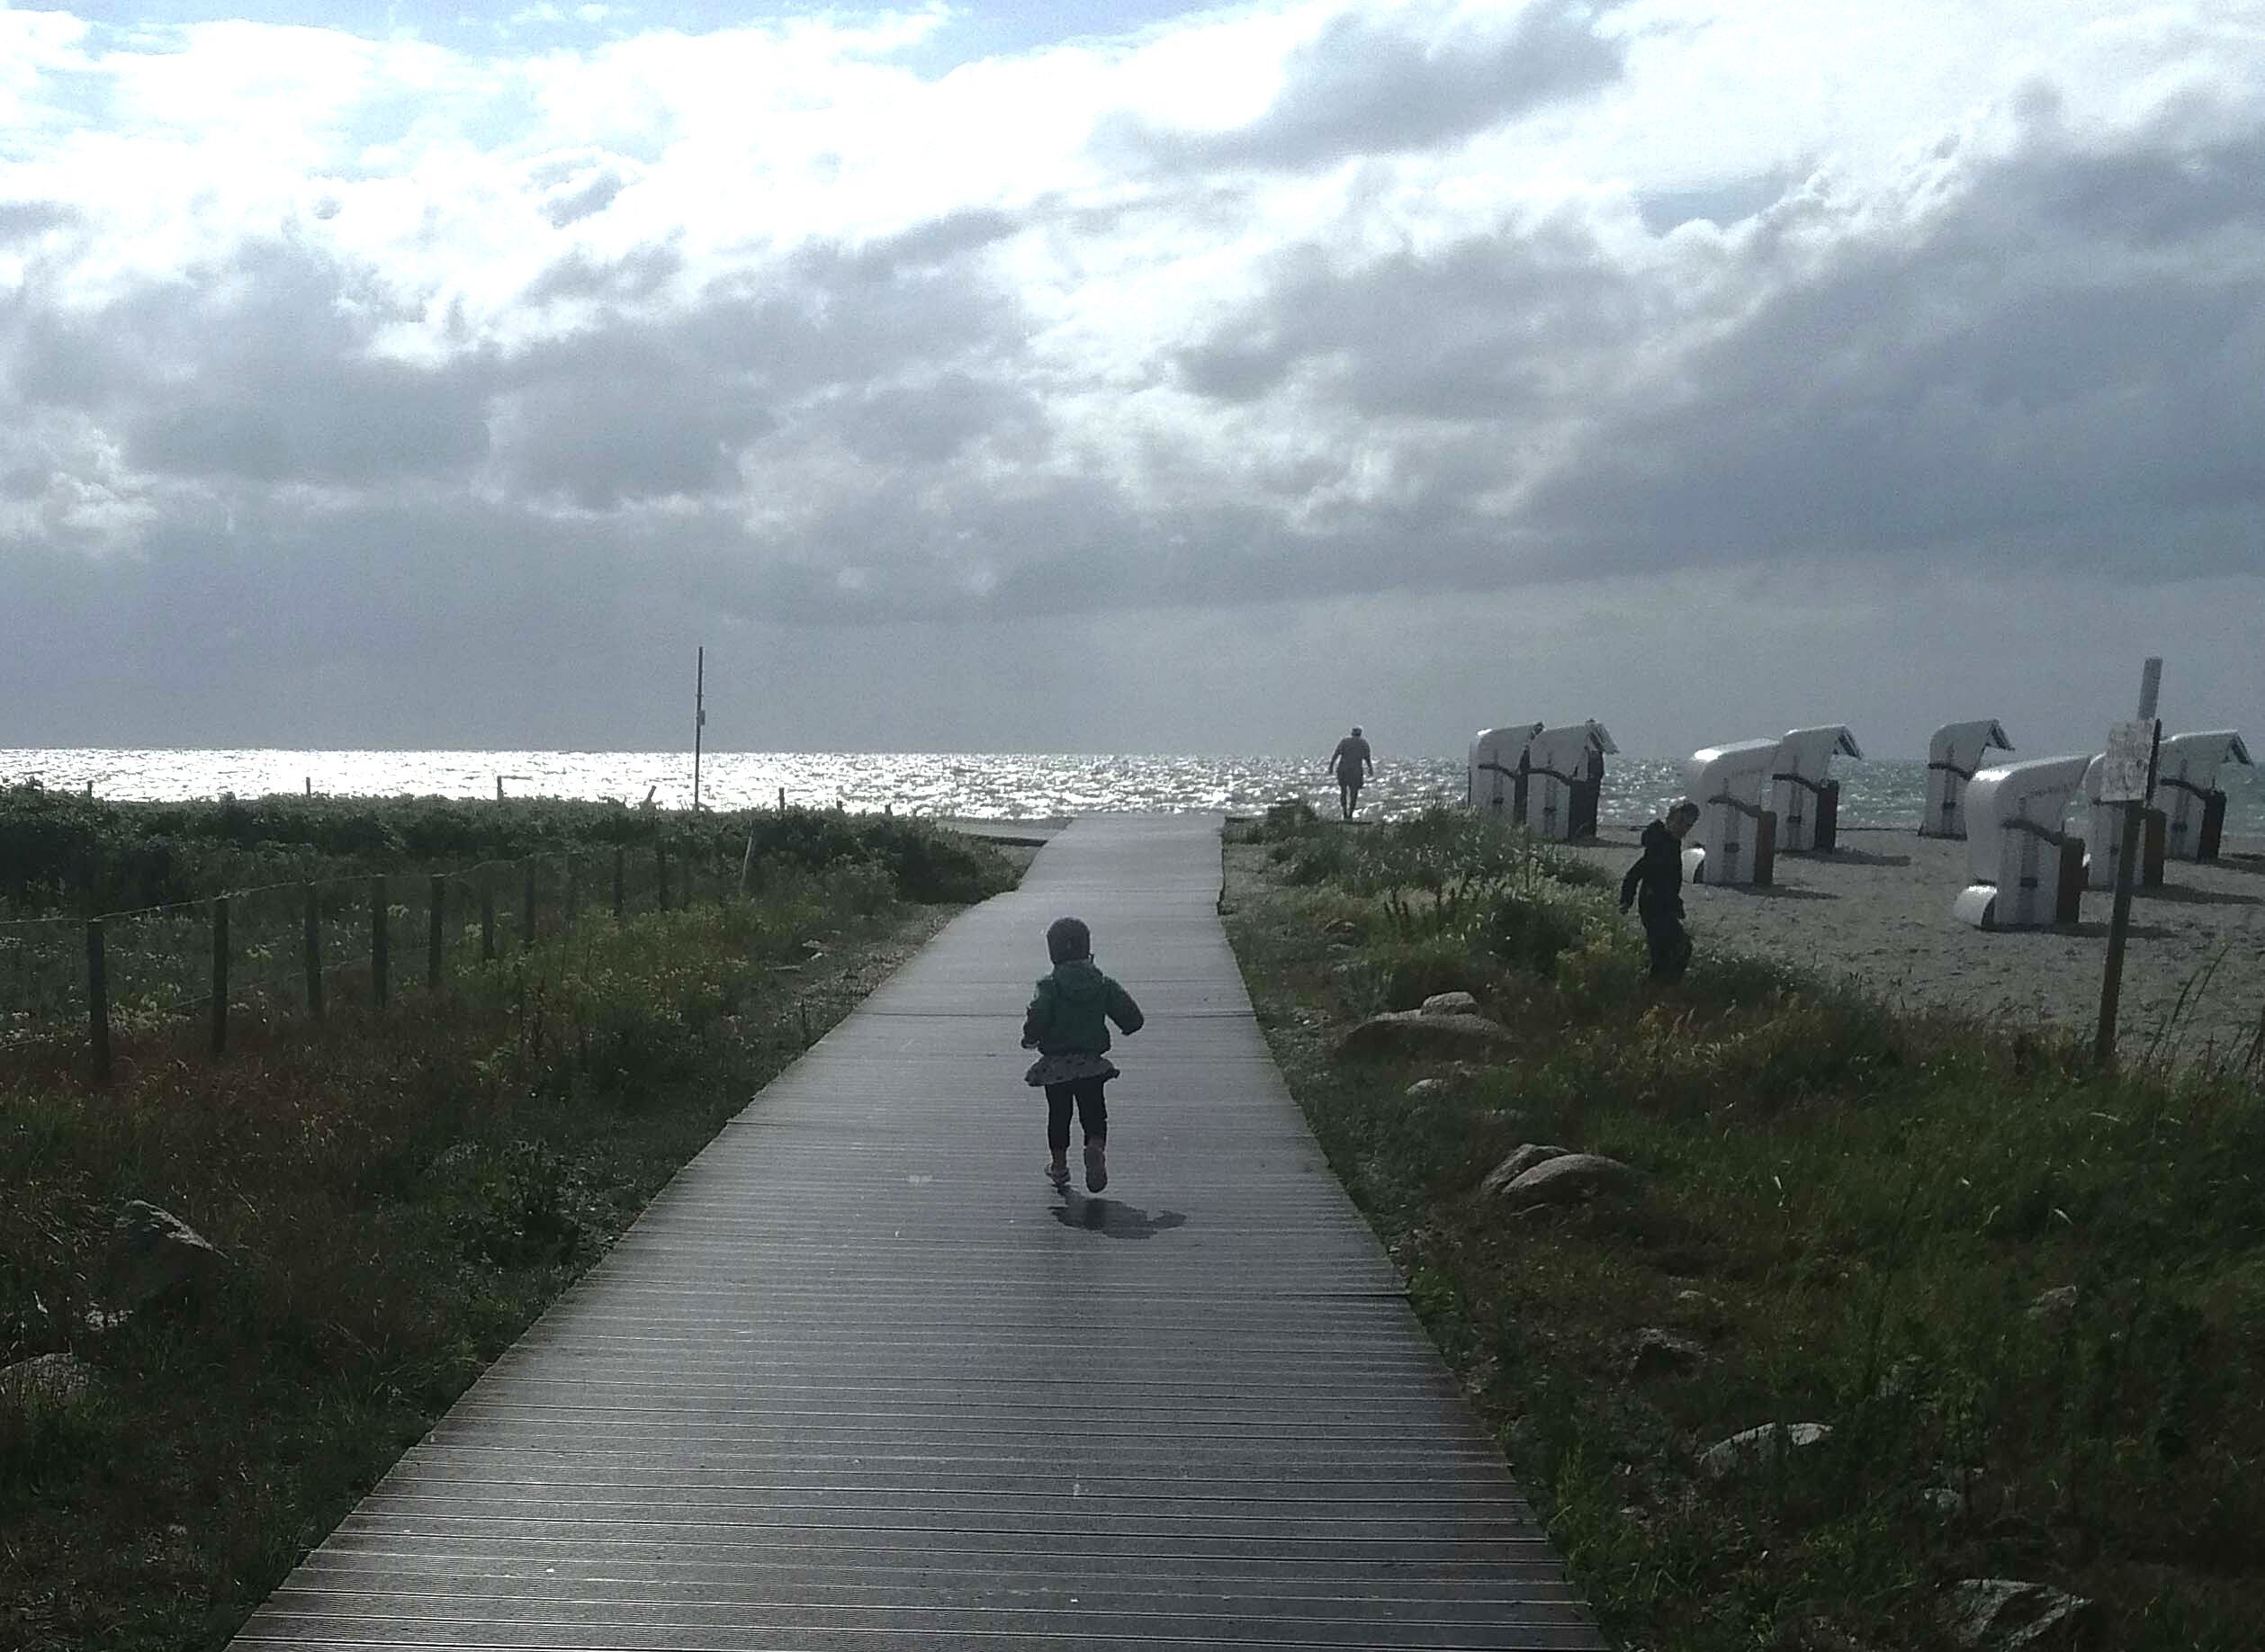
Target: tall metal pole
x=2111, y=984
x=699, y=721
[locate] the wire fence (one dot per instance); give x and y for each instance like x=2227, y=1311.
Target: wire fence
x=295, y=951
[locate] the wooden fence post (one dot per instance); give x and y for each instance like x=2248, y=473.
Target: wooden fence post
x=220, y=974
x=527, y=920
x=661, y=866
x=437, y=908
x=486, y=915
x=620, y=882
x=313, y=925
x=379, y=956
x=97, y=999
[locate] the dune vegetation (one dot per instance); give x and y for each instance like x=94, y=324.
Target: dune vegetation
x=396, y=1192
x=2024, y=1299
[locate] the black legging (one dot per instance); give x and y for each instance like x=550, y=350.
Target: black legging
x=1093, y=1112
x=1670, y=944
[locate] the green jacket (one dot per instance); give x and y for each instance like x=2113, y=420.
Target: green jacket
x=1071, y=1010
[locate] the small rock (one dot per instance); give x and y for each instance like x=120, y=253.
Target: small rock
x=1449, y=1003
x=1902, y=1378
x=1946, y=1501
x=1699, y=1305
x=1411, y=1032
x=1658, y=1352
x=1342, y=932
x=1564, y=1180
x=1759, y=1447
x=154, y=1254
x=2004, y=1614
x=2055, y=1303
x=1527, y=1155
x=48, y=1379
x=1427, y=1087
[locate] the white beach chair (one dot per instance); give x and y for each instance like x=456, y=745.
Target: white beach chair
x=1733, y=840
x=2016, y=846
x=1497, y=777
x=1802, y=790
x=1952, y=757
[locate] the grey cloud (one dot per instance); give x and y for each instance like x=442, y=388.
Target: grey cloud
x=928, y=422
x=2151, y=197
x=2031, y=378
x=1730, y=202
x=638, y=274
x=899, y=354
x=1366, y=87
x=938, y=241
x=606, y=432
x=587, y=198
x=1488, y=327
x=254, y=369
x=25, y=220
x=828, y=315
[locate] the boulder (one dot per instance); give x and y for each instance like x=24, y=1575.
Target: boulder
x=1658, y=1352
x=1449, y=1003
x=2001, y=1614
x=1411, y=1032
x=1528, y=1155
x=47, y=1380
x=2053, y=1304
x=1564, y=1180
x=1759, y=1448
x=155, y=1256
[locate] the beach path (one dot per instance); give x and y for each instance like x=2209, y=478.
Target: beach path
x=859, y=1378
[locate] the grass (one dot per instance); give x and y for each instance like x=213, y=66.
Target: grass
x=1856, y=1215
x=400, y=1194
x=152, y=869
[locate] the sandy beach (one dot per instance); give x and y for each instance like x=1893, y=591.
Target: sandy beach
x=1878, y=910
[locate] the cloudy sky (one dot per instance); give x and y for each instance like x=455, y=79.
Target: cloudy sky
x=1127, y=376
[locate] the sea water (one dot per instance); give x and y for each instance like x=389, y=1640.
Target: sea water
x=1023, y=785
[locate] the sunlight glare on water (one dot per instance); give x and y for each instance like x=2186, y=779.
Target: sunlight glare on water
x=1019, y=786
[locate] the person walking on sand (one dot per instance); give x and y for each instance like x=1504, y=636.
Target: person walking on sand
x=1067, y=1023
x=1348, y=760
x=1654, y=887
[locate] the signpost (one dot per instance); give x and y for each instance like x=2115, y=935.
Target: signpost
x=699, y=721
x=2127, y=778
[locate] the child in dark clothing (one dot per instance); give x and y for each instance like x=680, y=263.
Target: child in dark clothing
x=1067, y=1023
x=1654, y=887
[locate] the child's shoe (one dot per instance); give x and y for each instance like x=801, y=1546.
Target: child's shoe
x=1058, y=1174
x=1096, y=1169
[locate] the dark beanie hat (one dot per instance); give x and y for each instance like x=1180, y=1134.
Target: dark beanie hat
x=1068, y=939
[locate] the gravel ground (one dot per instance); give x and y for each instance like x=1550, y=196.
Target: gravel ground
x=1878, y=910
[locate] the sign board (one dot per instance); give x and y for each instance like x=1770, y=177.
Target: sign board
x=2131, y=752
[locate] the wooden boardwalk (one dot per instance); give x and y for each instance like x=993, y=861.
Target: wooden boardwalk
x=859, y=1378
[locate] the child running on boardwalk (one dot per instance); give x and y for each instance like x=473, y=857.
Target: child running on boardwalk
x=1067, y=1024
